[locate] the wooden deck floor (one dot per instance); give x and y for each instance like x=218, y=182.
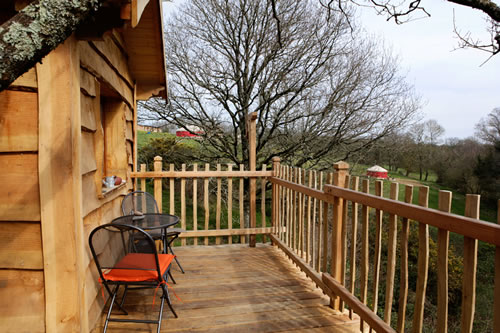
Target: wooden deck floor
x=234, y=288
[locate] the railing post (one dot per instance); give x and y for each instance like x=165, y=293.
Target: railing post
x=157, y=182
x=143, y=180
x=253, y=167
x=341, y=171
x=275, y=197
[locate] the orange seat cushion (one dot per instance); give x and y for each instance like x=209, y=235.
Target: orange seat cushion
x=140, y=261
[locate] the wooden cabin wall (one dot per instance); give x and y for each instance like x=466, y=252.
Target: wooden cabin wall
x=107, y=112
x=21, y=260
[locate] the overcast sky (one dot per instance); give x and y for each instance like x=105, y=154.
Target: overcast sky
x=457, y=92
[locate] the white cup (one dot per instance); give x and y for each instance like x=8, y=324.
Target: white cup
x=109, y=181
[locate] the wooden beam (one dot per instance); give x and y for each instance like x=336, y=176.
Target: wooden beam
x=469, y=227
x=356, y=305
x=20, y=245
x=252, y=144
x=225, y=232
x=200, y=174
x=60, y=189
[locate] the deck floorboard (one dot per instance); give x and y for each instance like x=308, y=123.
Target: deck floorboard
x=234, y=288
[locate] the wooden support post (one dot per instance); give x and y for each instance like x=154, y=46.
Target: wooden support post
x=230, y=203
x=195, y=204
x=60, y=184
x=391, y=257
x=143, y=180
x=252, y=144
x=275, y=213
x=470, y=266
x=423, y=264
x=183, y=204
x=444, y=205
x=341, y=171
x=157, y=182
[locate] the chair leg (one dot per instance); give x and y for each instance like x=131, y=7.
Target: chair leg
x=170, y=274
x=169, y=303
x=123, y=297
x=110, y=309
x=177, y=261
x=160, y=314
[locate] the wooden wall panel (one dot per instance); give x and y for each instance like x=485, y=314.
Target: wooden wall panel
x=129, y=153
x=110, y=51
x=88, y=106
x=129, y=114
x=27, y=80
x=98, y=66
x=18, y=121
x=114, y=132
x=21, y=245
x=88, y=83
x=88, y=162
x=19, y=198
x=89, y=193
x=22, y=305
x=130, y=131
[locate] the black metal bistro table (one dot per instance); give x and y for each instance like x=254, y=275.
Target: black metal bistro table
x=154, y=224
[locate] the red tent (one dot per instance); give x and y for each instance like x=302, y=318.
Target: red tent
x=376, y=172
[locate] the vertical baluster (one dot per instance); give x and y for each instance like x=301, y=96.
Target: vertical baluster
x=230, y=203
x=423, y=264
x=444, y=205
x=365, y=247
x=294, y=211
x=329, y=180
x=470, y=266
x=319, y=185
x=354, y=236
x=183, y=203
x=391, y=257
x=403, y=281
x=263, y=202
x=379, y=191
x=195, y=203
x=289, y=209
x=300, y=246
x=158, y=183
x=343, y=265
x=218, y=205
x=143, y=180
x=314, y=231
x=241, y=202
x=282, y=205
x=172, y=191
x=205, y=201
x=309, y=232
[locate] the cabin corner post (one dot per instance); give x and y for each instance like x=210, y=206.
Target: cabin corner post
x=275, y=197
x=252, y=144
x=341, y=171
x=59, y=174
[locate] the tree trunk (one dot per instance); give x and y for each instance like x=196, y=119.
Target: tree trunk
x=426, y=174
x=37, y=30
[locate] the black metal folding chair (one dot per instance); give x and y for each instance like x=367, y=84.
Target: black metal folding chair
x=139, y=202
x=120, y=263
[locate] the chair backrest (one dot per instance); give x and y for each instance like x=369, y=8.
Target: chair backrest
x=139, y=201
x=111, y=243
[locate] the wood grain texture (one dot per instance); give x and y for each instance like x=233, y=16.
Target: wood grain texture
x=157, y=183
x=403, y=280
x=60, y=189
x=218, y=206
x=230, y=203
x=423, y=264
x=116, y=159
x=444, y=205
x=20, y=245
x=18, y=121
x=354, y=238
x=206, y=203
x=172, y=191
x=470, y=267
x=365, y=247
x=22, y=308
x=391, y=257
x=27, y=80
x=88, y=106
x=88, y=161
x=379, y=191
x=88, y=84
x=204, y=174
x=252, y=152
x=241, y=200
x=183, y=204
x=20, y=197
x=195, y=204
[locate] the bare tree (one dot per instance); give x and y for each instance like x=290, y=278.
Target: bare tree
x=319, y=93
x=488, y=129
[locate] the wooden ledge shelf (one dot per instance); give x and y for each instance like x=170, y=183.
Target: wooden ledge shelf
x=107, y=192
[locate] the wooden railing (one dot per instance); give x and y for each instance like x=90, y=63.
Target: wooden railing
x=317, y=224
x=208, y=188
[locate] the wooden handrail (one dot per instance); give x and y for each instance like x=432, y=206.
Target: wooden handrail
x=469, y=227
x=200, y=174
